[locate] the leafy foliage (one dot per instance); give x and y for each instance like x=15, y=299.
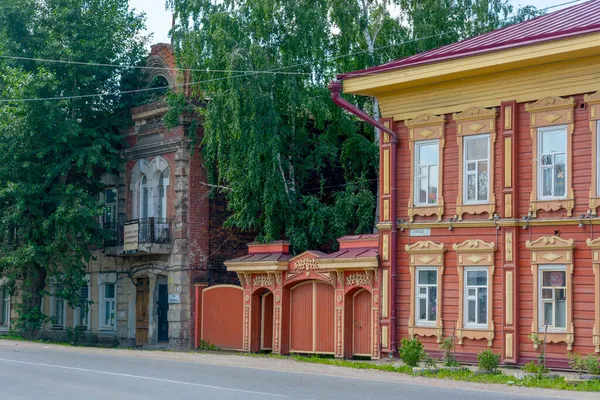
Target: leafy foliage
x=412, y=351
x=53, y=153
x=487, y=360
x=295, y=165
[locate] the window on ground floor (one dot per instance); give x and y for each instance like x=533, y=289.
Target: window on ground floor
x=107, y=306
x=4, y=308
x=57, y=310
x=427, y=294
x=476, y=297
x=553, y=298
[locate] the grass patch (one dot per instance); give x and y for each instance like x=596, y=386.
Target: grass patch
x=465, y=375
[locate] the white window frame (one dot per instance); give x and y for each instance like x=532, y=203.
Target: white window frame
x=77, y=311
x=418, y=320
x=467, y=298
x=418, y=170
x=101, y=306
x=541, y=322
x=540, y=133
x=466, y=172
x=5, y=307
x=54, y=323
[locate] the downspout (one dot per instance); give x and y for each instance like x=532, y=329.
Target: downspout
x=335, y=88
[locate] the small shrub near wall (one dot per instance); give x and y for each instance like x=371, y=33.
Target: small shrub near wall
x=411, y=351
x=488, y=361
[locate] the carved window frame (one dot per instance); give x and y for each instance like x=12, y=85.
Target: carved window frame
x=475, y=121
x=552, y=251
x=475, y=253
x=593, y=102
x=430, y=255
x=550, y=112
x=595, y=246
x=426, y=127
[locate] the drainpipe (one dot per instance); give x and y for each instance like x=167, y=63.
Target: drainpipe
x=335, y=88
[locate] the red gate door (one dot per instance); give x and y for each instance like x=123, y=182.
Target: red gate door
x=325, y=317
x=222, y=316
x=266, y=322
x=312, y=318
x=301, y=314
x=361, y=323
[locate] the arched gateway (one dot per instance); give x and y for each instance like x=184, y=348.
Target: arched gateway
x=313, y=303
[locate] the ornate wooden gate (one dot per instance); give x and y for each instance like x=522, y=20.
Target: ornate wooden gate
x=312, y=318
x=361, y=323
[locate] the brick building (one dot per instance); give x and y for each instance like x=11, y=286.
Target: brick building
x=166, y=233
x=489, y=168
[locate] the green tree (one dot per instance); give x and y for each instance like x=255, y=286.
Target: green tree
x=293, y=164
x=53, y=153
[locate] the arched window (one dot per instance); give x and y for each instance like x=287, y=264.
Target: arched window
x=144, y=198
x=162, y=198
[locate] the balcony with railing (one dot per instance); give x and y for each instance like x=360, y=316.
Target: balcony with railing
x=138, y=237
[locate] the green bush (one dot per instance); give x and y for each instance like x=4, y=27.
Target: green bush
x=534, y=368
x=581, y=364
x=447, y=346
x=207, y=346
x=411, y=351
x=487, y=360
x=430, y=362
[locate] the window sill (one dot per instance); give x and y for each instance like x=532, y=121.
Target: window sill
x=553, y=205
x=427, y=210
x=436, y=331
x=476, y=334
x=476, y=208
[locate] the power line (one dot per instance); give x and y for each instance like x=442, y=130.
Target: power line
x=245, y=73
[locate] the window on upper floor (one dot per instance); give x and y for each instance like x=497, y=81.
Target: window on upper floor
x=552, y=162
x=110, y=207
x=553, y=298
x=427, y=296
x=597, y=158
x=476, y=297
x=476, y=169
x=149, y=186
x=426, y=172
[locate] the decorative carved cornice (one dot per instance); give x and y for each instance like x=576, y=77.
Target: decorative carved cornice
x=550, y=103
x=306, y=264
x=425, y=246
x=594, y=244
x=263, y=280
x=425, y=120
x=154, y=149
x=593, y=98
x=547, y=242
x=474, y=246
x=359, y=279
x=475, y=113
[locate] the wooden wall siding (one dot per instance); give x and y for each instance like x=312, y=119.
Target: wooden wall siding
x=301, y=318
x=222, y=316
x=523, y=85
x=266, y=329
x=361, y=321
x=325, y=318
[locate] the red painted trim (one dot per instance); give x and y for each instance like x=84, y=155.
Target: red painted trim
x=277, y=247
x=198, y=316
x=353, y=244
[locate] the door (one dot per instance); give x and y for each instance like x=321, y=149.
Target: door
x=312, y=318
x=162, y=311
x=223, y=316
x=266, y=321
x=141, y=315
x=361, y=323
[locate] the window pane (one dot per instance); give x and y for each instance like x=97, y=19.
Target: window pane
x=554, y=278
x=547, y=314
x=482, y=304
x=547, y=294
x=428, y=154
x=482, y=180
x=561, y=314
x=478, y=278
x=554, y=142
x=471, y=292
x=423, y=171
x=110, y=196
x=423, y=290
x=107, y=313
x=422, y=309
x=109, y=291
x=427, y=277
x=547, y=159
x=559, y=175
x=477, y=149
x=471, y=188
x=471, y=311
x=472, y=167
x=547, y=182
x=433, y=184
x=432, y=303
x=423, y=190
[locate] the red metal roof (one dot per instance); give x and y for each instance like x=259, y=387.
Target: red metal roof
x=359, y=252
x=579, y=19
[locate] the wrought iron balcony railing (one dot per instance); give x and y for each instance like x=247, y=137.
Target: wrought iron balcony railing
x=150, y=231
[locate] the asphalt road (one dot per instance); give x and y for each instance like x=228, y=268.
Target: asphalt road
x=35, y=371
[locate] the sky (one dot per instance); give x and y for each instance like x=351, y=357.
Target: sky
x=159, y=20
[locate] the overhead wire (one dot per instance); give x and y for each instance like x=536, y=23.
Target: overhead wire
x=242, y=73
